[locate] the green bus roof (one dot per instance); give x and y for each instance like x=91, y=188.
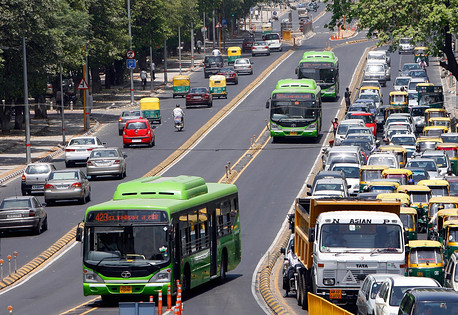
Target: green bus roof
x=164, y=193
x=296, y=83
x=324, y=56
x=297, y=90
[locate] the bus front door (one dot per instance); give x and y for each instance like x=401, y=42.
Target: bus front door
x=213, y=245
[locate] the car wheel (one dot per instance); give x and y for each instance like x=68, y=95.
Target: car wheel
x=44, y=226
x=268, y=54
x=252, y=55
x=93, y=177
x=24, y=192
x=124, y=175
x=88, y=198
x=251, y=72
x=82, y=200
x=236, y=82
x=68, y=164
x=210, y=105
x=205, y=76
x=125, y=145
x=49, y=202
x=37, y=230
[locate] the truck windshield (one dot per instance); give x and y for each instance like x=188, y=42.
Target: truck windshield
x=361, y=236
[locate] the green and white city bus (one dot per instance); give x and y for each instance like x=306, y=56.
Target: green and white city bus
x=323, y=67
x=157, y=230
x=295, y=112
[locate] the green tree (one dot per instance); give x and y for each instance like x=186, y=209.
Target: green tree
x=428, y=22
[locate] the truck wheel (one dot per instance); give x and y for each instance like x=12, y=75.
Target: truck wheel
x=299, y=290
x=305, y=304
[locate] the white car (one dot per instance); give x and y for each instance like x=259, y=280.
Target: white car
x=332, y=187
x=365, y=302
x=79, y=149
x=383, y=158
x=351, y=171
x=401, y=82
x=392, y=291
x=405, y=45
x=274, y=41
x=243, y=65
x=344, y=125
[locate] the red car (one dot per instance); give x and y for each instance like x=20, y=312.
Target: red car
x=138, y=131
x=368, y=120
x=230, y=74
x=199, y=96
x=247, y=44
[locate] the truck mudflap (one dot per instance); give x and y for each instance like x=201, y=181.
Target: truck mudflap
x=339, y=296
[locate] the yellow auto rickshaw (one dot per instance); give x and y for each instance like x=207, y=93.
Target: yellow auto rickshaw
x=404, y=199
x=450, y=242
x=435, y=112
x=425, y=259
x=434, y=131
x=370, y=89
x=217, y=86
x=442, y=216
x=181, y=85
x=399, y=151
x=369, y=173
x=451, y=149
x=409, y=218
x=421, y=53
x=419, y=200
x=440, y=121
x=233, y=53
x=399, y=98
x=402, y=174
x=435, y=205
x=266, y=28
x=428, y=143
x=151, y=109
x=439, y=187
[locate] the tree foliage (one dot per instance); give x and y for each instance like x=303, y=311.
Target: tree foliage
x=427, y=22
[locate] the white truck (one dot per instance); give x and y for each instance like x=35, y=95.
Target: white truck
x=340, y=242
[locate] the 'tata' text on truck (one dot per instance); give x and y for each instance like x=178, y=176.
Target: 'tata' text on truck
x=340, y=242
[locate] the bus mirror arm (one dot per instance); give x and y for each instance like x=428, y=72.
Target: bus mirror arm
x=79, y=234
x=267, y=103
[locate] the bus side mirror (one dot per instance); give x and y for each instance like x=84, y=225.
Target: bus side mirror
x=296, y=70
x=283, y=250
x=267, y=103
x=79, y=234
x=311, y=234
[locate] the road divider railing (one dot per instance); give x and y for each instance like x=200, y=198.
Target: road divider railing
x=320, y=306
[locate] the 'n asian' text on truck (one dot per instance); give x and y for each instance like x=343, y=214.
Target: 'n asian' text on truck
x=340, y=242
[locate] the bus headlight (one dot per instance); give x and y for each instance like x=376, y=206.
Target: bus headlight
x=329, y=281
x=311, y=126
x=275, y=127
x=162, y=276
x=91, y=277
x=332, y=89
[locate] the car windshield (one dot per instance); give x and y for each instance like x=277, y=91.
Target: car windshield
x=427, y=145
x=417, y=73
x=343, y=128
x=349, y=171
x=136, y=125
x=440, y=160
x=260, y=44
x=328, y=186
x=15, y=203
x=371, y=96
x=375, y=68
x=127, y=245
x=358, y=130
x=403, y=140
x=213, y=59
x=365, y=145
x=404, y=41
x=131, y=113
x=410, y=66
x=413, y=86
x=223, y=70
x=371, y=175
x=198, y=90
x=37, y=169
x=271, y=37
x=63, y=175
x=82, y=141
x=402, y=81
x=242, y=61
x=437, y=308
x=418, y=111
x=397, y=293
x=382, y=160
x=104, y=153
x=424, y=164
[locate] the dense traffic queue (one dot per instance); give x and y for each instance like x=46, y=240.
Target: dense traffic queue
x=402, y=155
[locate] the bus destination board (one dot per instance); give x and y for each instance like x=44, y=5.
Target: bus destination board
x=291, y=96
x=126, y=216
x=317, y=65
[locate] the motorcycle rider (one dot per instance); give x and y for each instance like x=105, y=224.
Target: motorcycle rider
x=178, y=113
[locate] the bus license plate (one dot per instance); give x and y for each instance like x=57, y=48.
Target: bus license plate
x=335, y=294
x=293, y=133
x=125, y=289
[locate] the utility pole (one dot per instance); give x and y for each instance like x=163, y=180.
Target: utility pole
x=192, y=45
x=205, y=32
x=28, y=155
x=165, y=61
x=214, y=27
x=219, y=31
x=151, y=65
x=85, y=91
x=131, y=70
x=62, y=105
x=179, y=47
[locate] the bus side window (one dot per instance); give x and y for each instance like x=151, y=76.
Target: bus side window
x=184, y=231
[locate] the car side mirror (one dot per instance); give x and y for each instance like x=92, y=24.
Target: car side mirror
x=124, y=155
x=154, y=127
x=309, y=193
x=104, y=143
x=448, y=276
x=311, y=234
x=296, y=70
x=283, y=250
x=43, y=204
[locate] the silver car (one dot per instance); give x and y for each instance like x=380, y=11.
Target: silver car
x=23, y=213
x=127, y=115
x=79, y=149
x=67, y=185
x=368, y=291
x=260, y=48
x=35, y=176
x=243, y=65
x=109, y=161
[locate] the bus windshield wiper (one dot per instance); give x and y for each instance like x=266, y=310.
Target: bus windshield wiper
x=108, y=258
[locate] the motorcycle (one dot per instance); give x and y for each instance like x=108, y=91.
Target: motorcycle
x=179, y=123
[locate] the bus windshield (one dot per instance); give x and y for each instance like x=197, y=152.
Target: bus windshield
x=319, y=75
x=121, y=245
x=285, y=110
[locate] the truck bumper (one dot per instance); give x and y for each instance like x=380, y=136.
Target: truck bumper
x=347, y=296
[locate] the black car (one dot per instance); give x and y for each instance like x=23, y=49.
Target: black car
x=247, y=44
x=424, y=301
x=212, y=64
x=230, y=74
x=326, y=174
x=23, y=213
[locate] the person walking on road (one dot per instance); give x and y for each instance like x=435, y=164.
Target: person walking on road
x=143, y=76
x=198, y=46
x=335, y=125
x=347, y=96
x=153, y=71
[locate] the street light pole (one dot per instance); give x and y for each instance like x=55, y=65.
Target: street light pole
x=179, y=48
x=131, y=70
x=192, y=45
x=62, y=106
x=28, y=156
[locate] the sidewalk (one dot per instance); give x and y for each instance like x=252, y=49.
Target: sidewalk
x=46, y=134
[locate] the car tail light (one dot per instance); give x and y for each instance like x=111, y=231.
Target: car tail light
x=69, y=150
x=23, y=177
x=31, y=213
x=76, y=185
x=47, y=186
x=266, y=47
x=120, y=119
x=253, y=48
x=89, y=163
x=90, y=149
x=188, y=96
x=249, y=66
x=117, y=161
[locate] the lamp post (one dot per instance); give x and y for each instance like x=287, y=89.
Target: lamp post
x=62, y=106
x=28, y=157
x=131, y=70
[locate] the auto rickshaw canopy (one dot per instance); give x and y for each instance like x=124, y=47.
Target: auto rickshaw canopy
x=413, y=188
x=445, y=215
x=424, y=243
x=217, y=81
x=403, y=198
x=434, y=131
x=437, y=204
x=435, y=112
x=440, y=121
x=234, y=51
x=399, y=98
x=150, y=103
x=181, y=80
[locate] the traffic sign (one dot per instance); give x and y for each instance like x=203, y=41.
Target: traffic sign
x=203, y=29
x=130, y=63
x=82, y=85
x=130, y=54
x=218, y=25
x=224, y=22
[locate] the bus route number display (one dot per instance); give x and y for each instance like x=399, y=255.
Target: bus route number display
x=314, y=65
x=126, y=216
x=298, y=96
